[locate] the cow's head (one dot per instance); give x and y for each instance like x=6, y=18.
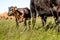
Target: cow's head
x=11, y=10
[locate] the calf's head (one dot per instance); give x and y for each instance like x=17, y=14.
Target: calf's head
x=11, y=10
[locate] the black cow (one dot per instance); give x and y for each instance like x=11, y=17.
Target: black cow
x=44, y=8
x=21, y=14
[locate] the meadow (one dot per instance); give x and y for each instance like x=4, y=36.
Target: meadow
x=8, y=31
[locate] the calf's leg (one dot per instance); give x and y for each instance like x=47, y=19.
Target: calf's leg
x=29, y=23
x=25, y=25
x=17, y=23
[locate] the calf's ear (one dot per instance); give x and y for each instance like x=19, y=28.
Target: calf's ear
x=15, y=8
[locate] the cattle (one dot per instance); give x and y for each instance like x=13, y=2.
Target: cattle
x=44, y=8
x=20, y=14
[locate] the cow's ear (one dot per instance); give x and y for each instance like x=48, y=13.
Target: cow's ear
x=15, y=8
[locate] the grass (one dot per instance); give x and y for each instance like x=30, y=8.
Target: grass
x=8, y=31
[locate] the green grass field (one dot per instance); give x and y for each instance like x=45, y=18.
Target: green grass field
x=8, y=31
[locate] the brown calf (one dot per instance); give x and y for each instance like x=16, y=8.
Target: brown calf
x=21, y=14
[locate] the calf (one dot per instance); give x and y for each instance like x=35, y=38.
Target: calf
x=21, y=15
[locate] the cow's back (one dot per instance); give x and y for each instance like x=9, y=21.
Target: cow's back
x=25, y=12
x=40, y=5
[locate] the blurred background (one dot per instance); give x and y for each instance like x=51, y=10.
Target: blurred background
x=4, y=4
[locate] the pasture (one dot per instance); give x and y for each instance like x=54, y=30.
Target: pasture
x=8, y=31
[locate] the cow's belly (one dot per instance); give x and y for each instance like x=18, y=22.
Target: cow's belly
x=44, y=13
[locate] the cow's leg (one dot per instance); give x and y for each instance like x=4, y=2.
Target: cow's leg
x=33, y=19
x=33, y=12
x=17, y=23
x=56, y=17
x=43, y=19
x=25, y=24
